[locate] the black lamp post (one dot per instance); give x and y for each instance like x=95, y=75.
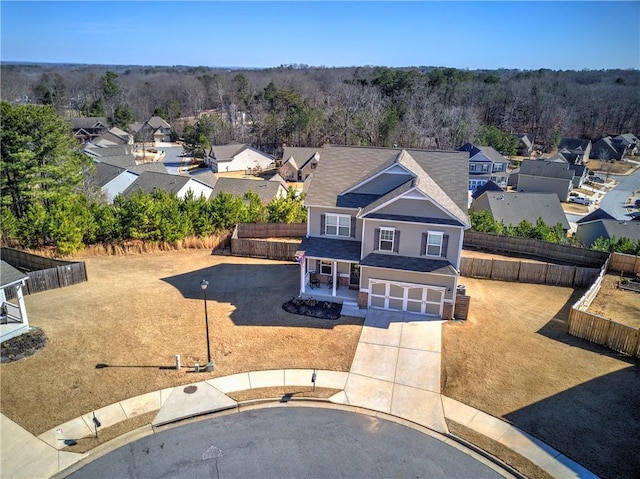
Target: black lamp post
x=203, y=284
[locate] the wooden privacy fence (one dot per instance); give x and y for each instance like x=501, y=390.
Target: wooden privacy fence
x=597, y=329
x=44, y=273
x=532, y=247
x=251, y=240
x=525, y=272
x=626, y=263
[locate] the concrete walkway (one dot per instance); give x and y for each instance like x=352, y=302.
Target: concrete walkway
x=395, y=371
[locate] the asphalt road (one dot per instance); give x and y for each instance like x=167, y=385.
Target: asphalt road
x=172, y=159
x=613, y=202
x=287, y=442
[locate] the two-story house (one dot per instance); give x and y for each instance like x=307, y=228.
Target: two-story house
x=485, y=164
x=385, y=228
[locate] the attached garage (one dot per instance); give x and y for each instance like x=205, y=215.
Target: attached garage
x=413, y=298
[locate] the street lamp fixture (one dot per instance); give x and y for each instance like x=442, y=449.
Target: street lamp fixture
x=204, y=284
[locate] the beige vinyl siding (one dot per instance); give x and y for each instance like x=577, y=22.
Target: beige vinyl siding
x=314, y=220
x=411, y=238
x=427, y=279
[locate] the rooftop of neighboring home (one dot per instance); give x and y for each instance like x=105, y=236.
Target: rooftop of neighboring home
x=574, y=144
x=442, y=175
x=101, y=152
x=488, y=186
x=512, y=208
x=598, y=214
x=627, y=139
x=488, y=151
x=266, y=190
x=227, y=152
x=106, y=173
x=617, y=229
x=123, y=161
x=89, y=122
x=545, y=168
x=299, y=156
x=150, y=181
x=10, y=275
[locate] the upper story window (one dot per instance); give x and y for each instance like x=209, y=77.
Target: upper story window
x=337, y=225
x=434, y=244
x=499, y=167
x=472, y=167
x=485, y=167
x=386, y=239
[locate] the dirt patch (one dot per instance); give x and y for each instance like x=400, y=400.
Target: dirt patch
x=513, y=359
x=22, y=346
x=617, y=304
x=313, y=308
x=136, y=312
x=613, y=168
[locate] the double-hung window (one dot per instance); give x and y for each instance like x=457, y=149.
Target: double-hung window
x=386, y=239
x=434, y=244
x=337, y=225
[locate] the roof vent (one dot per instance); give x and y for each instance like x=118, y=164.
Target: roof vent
x=501, y=197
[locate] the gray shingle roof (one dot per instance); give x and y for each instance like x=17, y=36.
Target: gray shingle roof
x=115, y=150
x=488, y=186
x=150, y=181
x=157, y=167
x=340, y=168
x=574, y=144
x=492, y=154
x=158, y=122
x=109, y=139
x=549, y=169
x=415, y=219
x=10, y=275
x=227, y=152
x=88, y=122
x=301, y=155
x=265, y=189
x=123, y=161
x=106, y=172
x=408, y=263
x=512, y=208
x=598, y=214
x=339, y=250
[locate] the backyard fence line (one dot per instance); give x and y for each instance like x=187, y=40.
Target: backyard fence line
x=526, y=272
x=43, y=273
x=626, y=263
x=250, y=240
x=532, y=247
x=619, y=337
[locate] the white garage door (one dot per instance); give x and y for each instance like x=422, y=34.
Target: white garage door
x=414, y=298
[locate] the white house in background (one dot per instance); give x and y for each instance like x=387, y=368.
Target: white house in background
x=13, y=318
x=180, y=185
x=113, y=179
x=238, y=157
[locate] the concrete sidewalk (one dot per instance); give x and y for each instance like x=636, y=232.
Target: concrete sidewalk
x=395, y=371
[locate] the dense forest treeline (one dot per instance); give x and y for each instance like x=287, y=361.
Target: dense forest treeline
x=298, y=105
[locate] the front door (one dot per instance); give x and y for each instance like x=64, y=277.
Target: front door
x=354, y=276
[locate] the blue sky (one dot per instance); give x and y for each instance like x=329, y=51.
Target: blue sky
x=474, y=35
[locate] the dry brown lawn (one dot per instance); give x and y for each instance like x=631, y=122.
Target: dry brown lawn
x=513, y=359
x=136, y=312
x=616, y=304
x=615, y=168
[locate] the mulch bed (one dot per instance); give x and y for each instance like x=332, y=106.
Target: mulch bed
x=22, y=346
x=313, y=308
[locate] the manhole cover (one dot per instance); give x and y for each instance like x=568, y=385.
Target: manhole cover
x=190, y=389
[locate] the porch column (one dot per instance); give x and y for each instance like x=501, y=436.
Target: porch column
x=334, y=270
x=303, y=275
x=21, y=305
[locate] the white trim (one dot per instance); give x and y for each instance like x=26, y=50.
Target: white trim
x=338, y=216
x=406, y=301
x=426, y=248
x=393, y=239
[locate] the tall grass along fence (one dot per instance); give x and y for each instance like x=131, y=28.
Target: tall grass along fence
x=597, y=329
x=44, y=273
x=267, y=240
x=535, y=248
x=527, y=272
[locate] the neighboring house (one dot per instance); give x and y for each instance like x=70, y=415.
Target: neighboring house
x=525, y=145
x=154, y=130
x=513, y=208
x=238, y=157
x=109, y=139
x=485, y=164
x=579, y=170
x=630, y=141
x=95, y=151
x=488, y=186
x=385, y=228
x=128, y=137
x=267, y=190
x=589, y=231
x=13, y=314
x=86, y=129
x=605, y=149
x=542, y=176
x=180, y=185
x=579, y=149
x=112, y=179
x=298, y=163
